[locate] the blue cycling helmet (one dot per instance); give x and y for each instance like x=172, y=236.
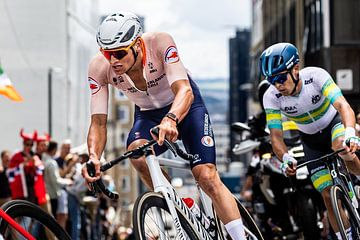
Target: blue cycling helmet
x=278, y=58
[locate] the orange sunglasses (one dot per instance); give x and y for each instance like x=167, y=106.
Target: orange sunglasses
x=118, y=53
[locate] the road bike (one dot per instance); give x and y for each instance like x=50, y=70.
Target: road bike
x=342, y=194
x=161, y=213
x=20, y=219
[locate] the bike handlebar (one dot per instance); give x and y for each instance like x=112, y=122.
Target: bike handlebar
x=98, y=186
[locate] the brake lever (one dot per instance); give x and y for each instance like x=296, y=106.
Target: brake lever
x=168, y=144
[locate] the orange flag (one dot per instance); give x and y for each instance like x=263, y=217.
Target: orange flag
x=7, y=89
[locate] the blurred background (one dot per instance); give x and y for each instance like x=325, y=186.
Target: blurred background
x=46, y=46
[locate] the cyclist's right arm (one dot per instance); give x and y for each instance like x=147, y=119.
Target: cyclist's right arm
x=277, y=142
x=96, y=140
x=274, y=122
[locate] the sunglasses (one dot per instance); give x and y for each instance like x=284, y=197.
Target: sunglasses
x=279, y=78
x=29, y=144
x=118, y=53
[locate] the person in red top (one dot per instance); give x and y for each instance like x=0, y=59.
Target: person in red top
x=25, y=173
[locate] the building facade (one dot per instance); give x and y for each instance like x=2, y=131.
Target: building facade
x=325, y=32
x=45, y=40
x=239, y=76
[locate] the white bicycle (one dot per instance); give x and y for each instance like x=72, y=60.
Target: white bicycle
x=162, y=214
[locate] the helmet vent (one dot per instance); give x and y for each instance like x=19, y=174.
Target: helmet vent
x=277, y=61
x=129, y=34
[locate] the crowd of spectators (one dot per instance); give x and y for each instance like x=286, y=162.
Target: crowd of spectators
x=49, y=175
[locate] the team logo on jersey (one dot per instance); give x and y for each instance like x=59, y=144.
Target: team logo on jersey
x=315, y=99
x=94, y=86
x=207, y=141
x=278, y=95
x=291, y=109
x=308, y=81
x=171, y=55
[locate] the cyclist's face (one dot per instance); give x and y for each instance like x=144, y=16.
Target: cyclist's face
x=121, y=63
x=287, y=86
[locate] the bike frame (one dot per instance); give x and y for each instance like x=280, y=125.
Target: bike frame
x=340, y=178
x=15, y=225
x=163, y=186
x=343, y=180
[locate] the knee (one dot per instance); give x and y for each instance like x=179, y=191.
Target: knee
x=139, y=164
x=210, y=182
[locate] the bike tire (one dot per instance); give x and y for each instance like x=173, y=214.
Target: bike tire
x=143, y=206
x=247, y=220
x=339, y=197
x=17, y=209
x=307, y=217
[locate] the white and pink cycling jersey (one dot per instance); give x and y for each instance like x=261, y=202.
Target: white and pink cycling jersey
x=162, y=67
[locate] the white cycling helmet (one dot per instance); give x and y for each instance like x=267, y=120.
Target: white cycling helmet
x=118, y=30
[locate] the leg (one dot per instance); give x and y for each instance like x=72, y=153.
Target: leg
x=140, y=164
x=209, y=180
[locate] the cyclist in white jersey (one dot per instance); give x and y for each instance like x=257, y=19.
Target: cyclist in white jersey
x=311, y=99
x=148, y=70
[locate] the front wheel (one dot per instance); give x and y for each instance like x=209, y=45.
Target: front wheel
x=152, y=219
x=252, y=231
x=33, y=219
x=349, y=218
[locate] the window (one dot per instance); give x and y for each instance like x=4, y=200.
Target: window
x=345, y=25
x=125, y=184
x=123, y=114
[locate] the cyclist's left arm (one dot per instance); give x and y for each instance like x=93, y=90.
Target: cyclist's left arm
x=331, y=91
x=179, y=82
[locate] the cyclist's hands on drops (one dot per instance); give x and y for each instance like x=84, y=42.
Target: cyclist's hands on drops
x=288, y=165
x=352, y=139
x=168, y=130
x=85, y=173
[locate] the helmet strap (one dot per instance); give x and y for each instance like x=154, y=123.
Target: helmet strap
x=135, y=58
x=295, y=81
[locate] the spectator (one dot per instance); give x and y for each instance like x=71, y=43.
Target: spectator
x=5, y=194
x=54, y=184
x=41, y=145
x=65, y=166
x=25, y=173
x=76, y=192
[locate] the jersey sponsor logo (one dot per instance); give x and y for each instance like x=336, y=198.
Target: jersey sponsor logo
x=132, y=89
x=315, y=99
x=171, y=55
x=151, y=66
x=278, y=95
x=94, y=86
x=308, y=81
x=207, y=141
x=196, y=158
x=291, y=109
x=155, y=82
x=118, y=80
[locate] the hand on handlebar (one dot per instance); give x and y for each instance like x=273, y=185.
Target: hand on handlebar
x=288, y=166
x=168, y=130
x=351, y=141
x=91, y=176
